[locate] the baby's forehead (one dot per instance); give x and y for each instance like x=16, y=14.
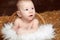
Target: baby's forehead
x=25, y=3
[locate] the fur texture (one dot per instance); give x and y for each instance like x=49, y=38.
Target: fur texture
x=44, y=32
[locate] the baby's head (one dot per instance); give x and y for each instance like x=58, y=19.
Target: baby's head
x=26, y=9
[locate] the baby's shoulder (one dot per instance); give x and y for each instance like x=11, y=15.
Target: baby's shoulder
x=36, y=21
x=17, y=20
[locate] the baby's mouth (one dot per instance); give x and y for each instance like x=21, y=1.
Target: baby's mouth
x=30, y=15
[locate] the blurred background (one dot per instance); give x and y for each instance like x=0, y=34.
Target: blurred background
x=7, y=7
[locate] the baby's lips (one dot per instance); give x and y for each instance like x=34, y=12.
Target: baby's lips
x=30, y=15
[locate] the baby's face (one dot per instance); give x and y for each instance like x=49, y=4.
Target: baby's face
x=27, y=10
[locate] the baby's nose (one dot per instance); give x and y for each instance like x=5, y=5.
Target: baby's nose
x=31, y=11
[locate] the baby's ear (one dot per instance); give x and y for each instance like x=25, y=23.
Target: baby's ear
x=19, y=13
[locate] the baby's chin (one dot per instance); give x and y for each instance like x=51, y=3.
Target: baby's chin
x=30, y=19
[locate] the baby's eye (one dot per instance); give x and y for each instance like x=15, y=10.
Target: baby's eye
x=32, y=8
x=26, y=9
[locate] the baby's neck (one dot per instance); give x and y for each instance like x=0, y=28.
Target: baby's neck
x=27, y=21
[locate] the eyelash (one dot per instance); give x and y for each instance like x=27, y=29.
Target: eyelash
x=27, y=9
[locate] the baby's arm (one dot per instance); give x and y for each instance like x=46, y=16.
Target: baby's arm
x=35, y=26
x=15, y=27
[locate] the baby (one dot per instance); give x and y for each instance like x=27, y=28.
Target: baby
x=26, y=25
x=26, y=21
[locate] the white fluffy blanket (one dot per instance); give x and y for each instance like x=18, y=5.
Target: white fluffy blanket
x=44, y=32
